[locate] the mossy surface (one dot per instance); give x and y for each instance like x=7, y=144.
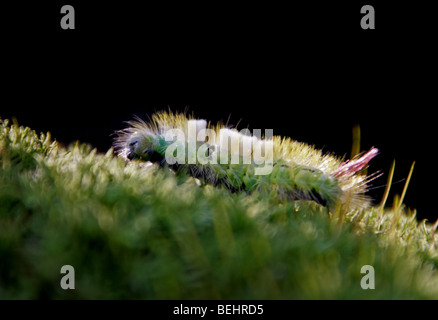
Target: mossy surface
x=136, y=231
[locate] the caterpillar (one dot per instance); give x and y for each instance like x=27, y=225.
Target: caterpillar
x=241, y=161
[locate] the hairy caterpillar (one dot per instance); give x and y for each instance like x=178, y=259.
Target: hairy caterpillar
x=242, y=162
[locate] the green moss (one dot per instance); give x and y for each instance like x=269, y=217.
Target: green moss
x=133, y=231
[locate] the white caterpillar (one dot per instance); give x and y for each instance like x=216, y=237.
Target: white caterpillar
x=241, y=162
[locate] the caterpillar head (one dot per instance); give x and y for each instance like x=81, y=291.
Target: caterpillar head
x=138, y=145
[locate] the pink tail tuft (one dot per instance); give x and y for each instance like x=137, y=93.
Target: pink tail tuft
x=351, y=167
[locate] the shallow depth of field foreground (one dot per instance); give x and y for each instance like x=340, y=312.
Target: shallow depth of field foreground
x=136, y=231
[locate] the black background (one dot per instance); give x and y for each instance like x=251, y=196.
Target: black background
x=305, y=69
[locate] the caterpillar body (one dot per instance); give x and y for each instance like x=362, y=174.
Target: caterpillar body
x=239, y=161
